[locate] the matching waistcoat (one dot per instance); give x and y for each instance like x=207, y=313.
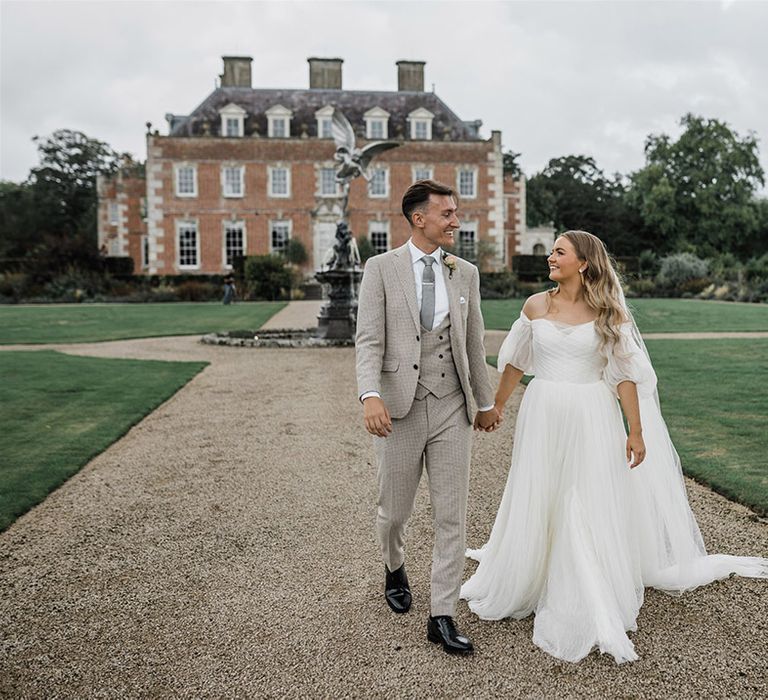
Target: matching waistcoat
x=437, y=371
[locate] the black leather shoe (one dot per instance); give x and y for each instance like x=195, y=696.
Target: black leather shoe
x=397, y=591
x=442, y=630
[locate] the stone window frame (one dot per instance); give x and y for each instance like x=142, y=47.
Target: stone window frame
x=377, y=169
x=191, y=224
x=323, y=116
x=144, y=252
x=275, y=114
x=424, y=168
x=229, y=167
x=378, y=117
x=113, y=212
x=289, y=230
x=473, y=228
x=420, y=117
x=463, y=169
x=384, y=228
x=235, y=113
x=177, y=168
x=320, y=169
x=270, y=184
x=232, y=224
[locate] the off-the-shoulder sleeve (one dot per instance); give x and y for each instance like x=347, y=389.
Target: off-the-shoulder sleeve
x=517, y=348
x=626, y=361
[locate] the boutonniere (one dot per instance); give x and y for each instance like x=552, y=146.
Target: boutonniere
x=450, y=262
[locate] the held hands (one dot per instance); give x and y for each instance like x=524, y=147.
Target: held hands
x=635, y=448
x=376, y=417
x=488, y=421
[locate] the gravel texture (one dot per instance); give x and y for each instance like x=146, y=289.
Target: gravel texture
x=225, y=547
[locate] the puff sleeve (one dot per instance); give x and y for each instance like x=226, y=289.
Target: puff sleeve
x=517, y=348
x=626, y=361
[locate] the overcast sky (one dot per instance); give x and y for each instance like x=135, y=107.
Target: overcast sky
x=556, y=78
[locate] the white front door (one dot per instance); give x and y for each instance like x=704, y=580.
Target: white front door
x=324, y=238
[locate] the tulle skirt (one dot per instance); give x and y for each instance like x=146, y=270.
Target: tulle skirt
x=578, y=534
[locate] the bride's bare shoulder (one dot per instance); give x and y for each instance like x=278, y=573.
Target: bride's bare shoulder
x=536, y=306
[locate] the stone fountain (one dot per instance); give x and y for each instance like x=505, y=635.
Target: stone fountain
x=340, y=272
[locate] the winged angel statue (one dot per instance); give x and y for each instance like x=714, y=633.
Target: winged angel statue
x=353, y=162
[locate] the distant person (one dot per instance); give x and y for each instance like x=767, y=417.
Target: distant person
x=229, y=290
x=591, y=514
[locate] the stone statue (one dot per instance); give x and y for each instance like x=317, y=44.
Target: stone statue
x=353, y=162
x=341, y=271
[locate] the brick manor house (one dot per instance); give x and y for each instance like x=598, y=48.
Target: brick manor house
x=249, y=169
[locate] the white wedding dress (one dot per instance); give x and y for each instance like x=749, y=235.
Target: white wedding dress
x=578, y=535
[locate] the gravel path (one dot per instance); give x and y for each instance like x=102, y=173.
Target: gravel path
x=225, y=547
x=297, y=314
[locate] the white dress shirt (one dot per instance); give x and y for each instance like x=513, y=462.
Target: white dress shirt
x=441, y=294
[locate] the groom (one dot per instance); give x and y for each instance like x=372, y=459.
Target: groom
x=420, y=362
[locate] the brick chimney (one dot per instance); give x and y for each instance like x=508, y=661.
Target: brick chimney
x=325, y=73
x=237, y=71
x=410, y=76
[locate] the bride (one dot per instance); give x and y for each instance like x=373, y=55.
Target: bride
x=591, y=513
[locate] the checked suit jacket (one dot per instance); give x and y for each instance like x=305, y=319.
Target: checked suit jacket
x=388, y=347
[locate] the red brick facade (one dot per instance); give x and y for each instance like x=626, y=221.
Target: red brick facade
x=190, y=228
x=514, y=221
x=122, y=205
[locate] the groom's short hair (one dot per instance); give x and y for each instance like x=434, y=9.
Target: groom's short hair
x=417, y=195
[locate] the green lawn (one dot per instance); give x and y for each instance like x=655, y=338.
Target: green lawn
x=83, y=323
x=658, y=315
x=715, y=400
x=58, y=411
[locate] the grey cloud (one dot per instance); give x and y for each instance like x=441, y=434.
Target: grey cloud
x=554, y=77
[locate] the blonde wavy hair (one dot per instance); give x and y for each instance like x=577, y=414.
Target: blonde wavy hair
x=601, y=284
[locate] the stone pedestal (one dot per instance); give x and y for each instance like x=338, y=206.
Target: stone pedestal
x=338, y=317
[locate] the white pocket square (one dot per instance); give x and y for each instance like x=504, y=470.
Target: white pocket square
x=462, y=300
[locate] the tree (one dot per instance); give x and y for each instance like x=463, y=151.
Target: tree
x=65, y=181
x=698, y=192
x=510, y=164
x=573, y=193
x=20, y=220
x=51, y=218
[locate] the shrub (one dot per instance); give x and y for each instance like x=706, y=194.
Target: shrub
x=75, y=285
x=498, y=285
x=120, y=267
x=641, y=288
x=530, y=267
x=682, y=273
x=756, y=269
x=163, y=292
x=13, y=285
x=725, y=267
x=267, y=277
x=296, y=252
x=365, y=248
x=193, y=290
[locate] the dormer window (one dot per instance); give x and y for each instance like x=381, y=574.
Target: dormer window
x=376, y=124
x=324, y=123
x=420, y=121
x=232, y=121
x=279, y=122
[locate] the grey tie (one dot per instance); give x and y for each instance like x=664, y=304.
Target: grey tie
x=428, y=293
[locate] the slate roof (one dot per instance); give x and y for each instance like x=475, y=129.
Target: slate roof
x=304, y=104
